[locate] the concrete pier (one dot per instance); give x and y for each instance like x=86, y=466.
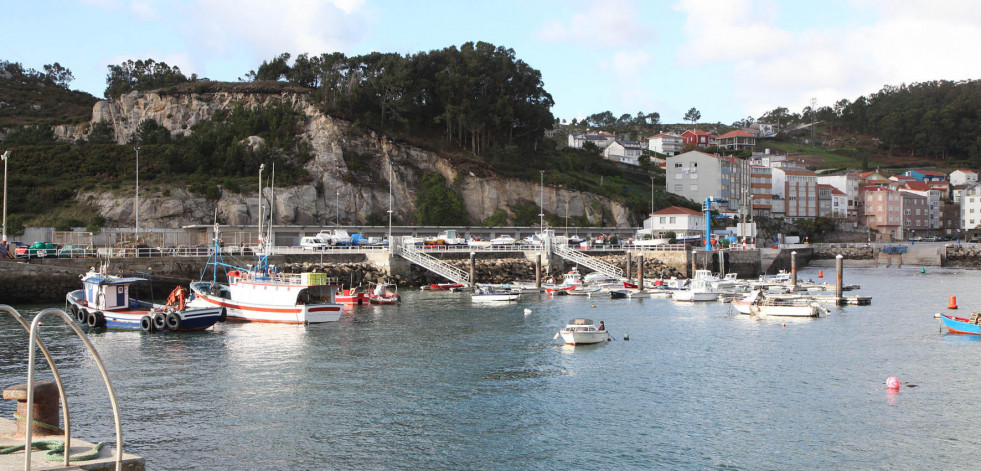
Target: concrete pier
x=105, y=462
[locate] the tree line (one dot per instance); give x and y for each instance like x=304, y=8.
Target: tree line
x=939, y=119
x=478, y=96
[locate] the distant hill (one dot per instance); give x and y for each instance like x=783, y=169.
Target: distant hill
x=28, y=97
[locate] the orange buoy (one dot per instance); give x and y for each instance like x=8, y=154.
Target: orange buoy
x=820, y=273
x=952, y=304
x=892, y=382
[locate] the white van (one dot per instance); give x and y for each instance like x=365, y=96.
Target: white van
x=313, y=243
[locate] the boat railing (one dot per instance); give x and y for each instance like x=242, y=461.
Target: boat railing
x=35, y=340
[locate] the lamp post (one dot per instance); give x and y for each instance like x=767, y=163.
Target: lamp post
x=391, y=174
x=337, y=209
x=541, y=205
x=137, y=210
x=261, y=168
x=5, y=157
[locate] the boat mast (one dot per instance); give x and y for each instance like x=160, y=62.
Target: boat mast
x=272, y=206
x=261, y=168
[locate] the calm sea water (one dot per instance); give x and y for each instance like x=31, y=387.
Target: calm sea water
x=440, y=383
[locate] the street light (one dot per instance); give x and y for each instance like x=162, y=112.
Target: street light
x=137, y=149
x=541, y=205
x=337, y=209
x=5, y=157
x=261, y=168
x=391, y=174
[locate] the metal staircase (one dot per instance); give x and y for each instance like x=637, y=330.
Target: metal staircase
x=433, y=264
x=587, y=261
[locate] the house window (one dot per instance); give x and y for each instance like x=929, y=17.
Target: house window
x=907, y=211
x=671, y=220
x=679, y=188
x=677, y=165
x=694, y=176
x=694, y=188
x=678, y=176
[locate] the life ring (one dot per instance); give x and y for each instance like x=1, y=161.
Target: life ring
x=159, y=321
x=173, y=321
x=95, y=320
x=224, y=315
x=146, y=324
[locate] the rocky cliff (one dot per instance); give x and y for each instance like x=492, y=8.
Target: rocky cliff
x=328, y=138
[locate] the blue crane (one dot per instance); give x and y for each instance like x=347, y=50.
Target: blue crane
x=707, y=208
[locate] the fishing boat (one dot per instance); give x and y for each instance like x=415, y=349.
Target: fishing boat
x=761, y=304
x=619, y=294
x=960, y=325
x=582, y=331
x=503, y=240
x=485, y=294
x=700, y=289
x=352, y=296
x=382, y=295
x=105, y=302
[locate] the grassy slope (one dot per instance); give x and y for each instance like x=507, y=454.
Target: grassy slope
x=31, y=102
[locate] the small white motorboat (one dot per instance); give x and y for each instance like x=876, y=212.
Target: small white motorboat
x=582, y=331
x=482, y=295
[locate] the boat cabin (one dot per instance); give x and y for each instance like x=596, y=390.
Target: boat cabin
x=107, y=293
x=581, y=325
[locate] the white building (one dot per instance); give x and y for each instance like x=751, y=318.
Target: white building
x=971, y=207
x=602, y=140
x=961, y=176
x=683, y=222
x=627, y=152
x=666, y=143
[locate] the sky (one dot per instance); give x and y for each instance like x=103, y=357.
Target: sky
x=729, y=59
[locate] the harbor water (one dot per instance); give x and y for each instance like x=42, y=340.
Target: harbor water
x=441, y=383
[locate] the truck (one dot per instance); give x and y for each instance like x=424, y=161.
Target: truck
x=335, y=237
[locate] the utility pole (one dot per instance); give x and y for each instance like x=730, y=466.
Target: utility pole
x=5, y=157
x=137, y=210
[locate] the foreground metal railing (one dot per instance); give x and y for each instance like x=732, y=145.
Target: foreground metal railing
x=35, y=340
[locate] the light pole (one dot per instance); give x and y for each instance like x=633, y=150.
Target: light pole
x=261, y=168
x=652, y=194
x=137, y=210
x=541, y=205
x=6, y=157
x=391, y=174
x=337, y=209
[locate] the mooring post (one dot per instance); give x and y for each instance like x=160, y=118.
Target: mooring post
x=793, y=271
x=473, y=269
x=640, y=272
x=630, y=256
x=839, y=272
x=722, y=263
x=694, y=263
x=538, y=270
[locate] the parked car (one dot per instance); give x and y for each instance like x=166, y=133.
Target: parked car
x=313, y=243
x=42, y=249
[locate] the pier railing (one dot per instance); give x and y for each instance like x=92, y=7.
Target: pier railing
x=585, y=260
x=433, y=264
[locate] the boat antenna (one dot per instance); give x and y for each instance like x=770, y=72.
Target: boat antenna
x=272, y=205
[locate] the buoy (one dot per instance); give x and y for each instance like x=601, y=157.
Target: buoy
x=892, y=382
x=952, y=304
x=922, y=270
x=936, y=316
x=820, y=273
x=594, y=306
x=527, y=311
x=783, y=325
x=626, y=337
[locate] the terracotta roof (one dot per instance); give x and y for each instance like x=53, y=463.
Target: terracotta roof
x=933, y=173
x=677, y=210
x=865, y=174
x=917, y=185
x=736, y=133
x=965, y=171
x=835, y=191
x=699, y=132
x=902, y=177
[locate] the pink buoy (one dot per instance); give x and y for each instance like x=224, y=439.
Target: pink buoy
x=892, y=382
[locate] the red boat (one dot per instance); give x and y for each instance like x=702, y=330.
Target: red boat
x=445, y=286
x=629, y=285
x=381, y=295
x=352, y=296
x=556, y=290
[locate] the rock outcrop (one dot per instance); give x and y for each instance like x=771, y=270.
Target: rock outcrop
x=332, y=194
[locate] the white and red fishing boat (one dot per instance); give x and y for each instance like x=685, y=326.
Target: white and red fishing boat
x=445, y=286
x=261, y=294
x=383, y=295
x=352, y=296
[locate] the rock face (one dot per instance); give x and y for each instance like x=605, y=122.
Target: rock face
x=351, y=200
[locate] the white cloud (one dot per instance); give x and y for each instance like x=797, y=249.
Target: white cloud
x=898, y=42
x=610, y=23
x=269, y=28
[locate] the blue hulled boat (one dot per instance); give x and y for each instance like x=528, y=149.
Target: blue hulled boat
x=960, y=325
x=104, y=302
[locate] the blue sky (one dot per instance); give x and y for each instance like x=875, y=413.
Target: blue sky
x=728, y=58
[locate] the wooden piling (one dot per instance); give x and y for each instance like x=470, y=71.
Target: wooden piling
x=640, y=272
x=473, y=269
x=839, y=273
x=538, y=271
x=793, y=271
x=629, y=259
